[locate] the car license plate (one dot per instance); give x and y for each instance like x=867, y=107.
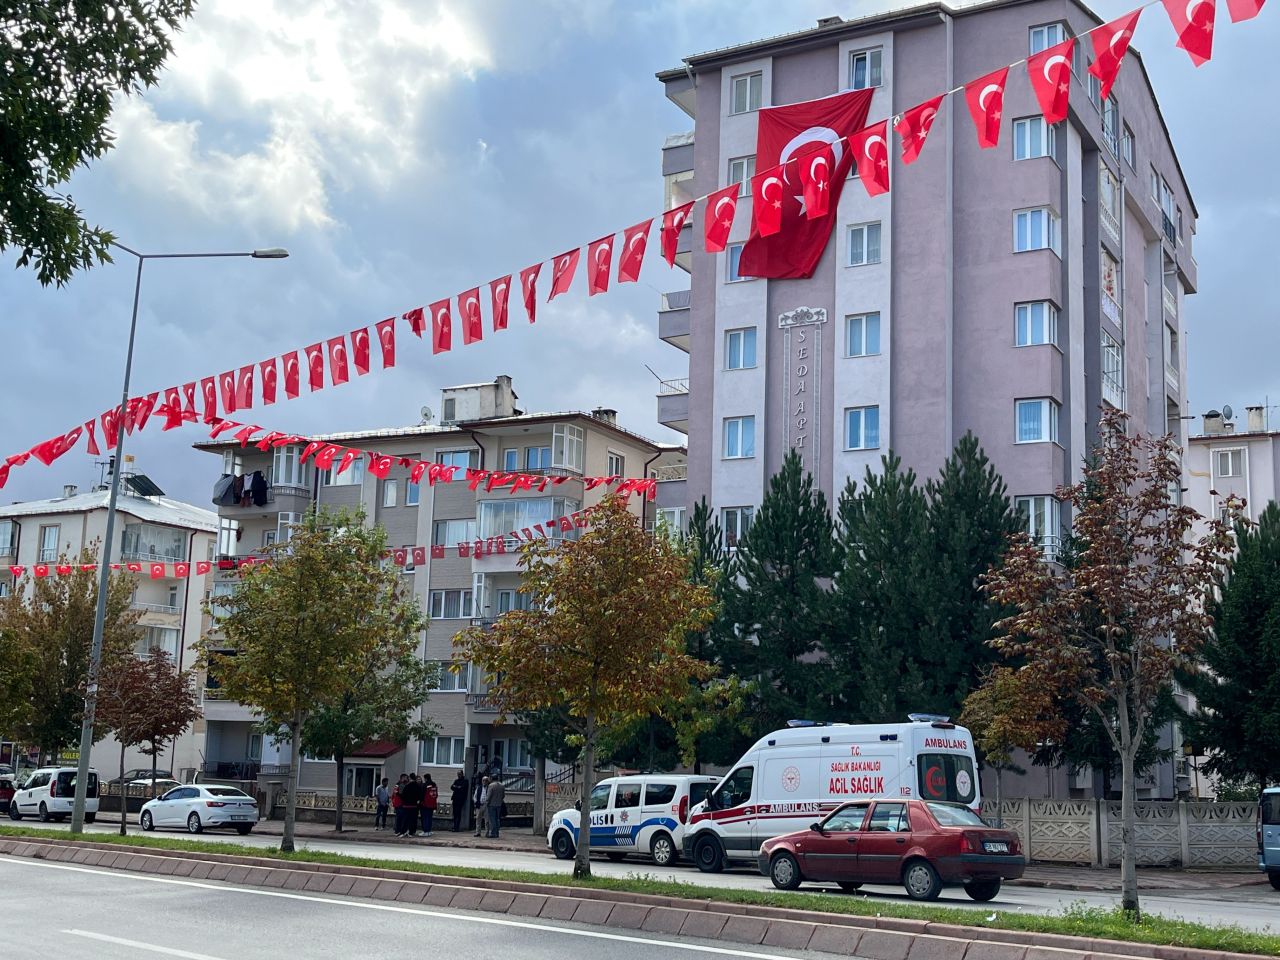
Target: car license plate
x=997, y=847
x=239, y=816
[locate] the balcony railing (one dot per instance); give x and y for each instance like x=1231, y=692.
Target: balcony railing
x=147, y=556
x=1111, y=309
x=232, y=769
x=213, y=693
x=1171, y=374
x=674, y=471
x=1109, y=222
x=1166, y=225
x=481, y=703
x=1170, y=301
x=156, y=608
x=673, y=387
x=676, y=299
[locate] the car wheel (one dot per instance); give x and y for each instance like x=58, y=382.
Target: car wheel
x=708, y=855
x=145, y=821
x=616, y=856
x=243, y=829
x=982, y=890
x=848, y=886
x=193, y=823
x=90, y=817
x=663, y=850
x=1274, y=877
x=44, y=814
x=14, y=812
x=562, y=845
x=784, y=871
x=921, y=880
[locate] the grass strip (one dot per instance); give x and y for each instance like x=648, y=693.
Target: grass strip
x=1077, y=920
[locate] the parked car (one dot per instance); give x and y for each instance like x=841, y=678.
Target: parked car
x=922, y=844
x=197, y=806
x=6, y=792
x=141, y=773
x=162, y=785
x=1269, y=834
x=642, y=814
x=49, y=794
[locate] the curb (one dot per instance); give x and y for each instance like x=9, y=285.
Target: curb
x=870, y=938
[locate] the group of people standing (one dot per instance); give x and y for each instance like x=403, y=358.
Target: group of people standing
x=415, y=797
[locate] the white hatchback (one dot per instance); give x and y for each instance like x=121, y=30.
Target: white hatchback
x=197, y=806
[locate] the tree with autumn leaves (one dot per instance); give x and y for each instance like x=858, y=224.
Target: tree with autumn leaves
x=605, y=640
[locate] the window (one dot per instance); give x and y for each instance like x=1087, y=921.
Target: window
x=1111, y=123
x=255, y=746
x=443, y=752
x=735, y=522
x=450, y=533
x=600, y=796
x=7, y=545
x=566, y=447
x=1051, y=34
x=1112, y=371
x=733, y=257
x=1229, y=463
x=49, y=544
x=627, y=795
x=4, y=588
x=1109, y=203
x=946, y=776
x=864, y=69
x=1043, y=519
x=1035, y=229
x=659, y=794
x=499, y=517
x=1036, y=323
x=1126, y=145
x=1170, y=355
x=741, y=170
x=1155, y=185
x=513, y=754
x=862, y=335
x=412, y=494
x=285, y=522
x=739, y=437
x=1270, y=812
x=672, y=520
x=1111, y=288
x=458, y=458
x=748, y=93
x=1037, y=421
x=740, y=349
x=1095, y=92
x=617, y=465
x=145, y=541
x=537, y=458
x=846, y=819
x=511, y=459
x=450, y=604
x=509, y=600
x=889, y=818
x=449, y=413
x=286, y=468
x=862, y=428
x=232, y=462
x=864, y=244
x=228, y=536
x=1032, y=138
x=734, y=790
x=451, y=682
x=164, y=638
x=353, y=476
x=390, y=490
x=268, y=538
x=1179, y=218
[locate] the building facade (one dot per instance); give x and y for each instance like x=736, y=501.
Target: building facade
x=1229, y=458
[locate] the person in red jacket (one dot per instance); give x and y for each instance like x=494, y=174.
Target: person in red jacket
x=397, y=804
x=430, y=798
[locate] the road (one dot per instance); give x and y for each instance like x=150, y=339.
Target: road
x=1253, y=907
x=88, y=914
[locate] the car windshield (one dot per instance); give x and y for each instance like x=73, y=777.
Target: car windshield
x=226, y=792
x=954, y=815
x=698, y=792
x=1271, y=808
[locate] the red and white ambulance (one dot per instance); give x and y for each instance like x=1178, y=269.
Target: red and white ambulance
x=791, y=777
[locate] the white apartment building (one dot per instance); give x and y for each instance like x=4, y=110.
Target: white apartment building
x=1232, y=459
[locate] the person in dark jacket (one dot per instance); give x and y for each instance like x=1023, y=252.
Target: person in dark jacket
x=458, y=800
x=430, y=800
x=410, y=802
x=494, y=801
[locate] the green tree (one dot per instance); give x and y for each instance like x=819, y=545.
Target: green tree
x=1007, y=712
x=605, y=640
x=302, y=624
x=63, y=63
x=122, y=699
x=1238, y=694
x=168, y=708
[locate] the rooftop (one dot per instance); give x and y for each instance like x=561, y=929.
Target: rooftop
x=173, y=513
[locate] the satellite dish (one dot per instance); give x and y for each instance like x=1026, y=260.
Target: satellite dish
x=1226, y=411
x=427, y=415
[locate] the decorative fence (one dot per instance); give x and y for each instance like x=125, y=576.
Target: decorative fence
x=1169, y=833
x=327, y=803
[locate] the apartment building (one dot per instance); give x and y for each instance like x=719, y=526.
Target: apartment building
x=150, y=528
x=1232, y=459
x=1010, y=292
x=479, y=426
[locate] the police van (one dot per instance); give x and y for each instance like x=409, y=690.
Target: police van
x=791, y=777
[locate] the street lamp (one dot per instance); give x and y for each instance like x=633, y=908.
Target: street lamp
x=104, y=563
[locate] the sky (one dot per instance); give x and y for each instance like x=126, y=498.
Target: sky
x=406, y=151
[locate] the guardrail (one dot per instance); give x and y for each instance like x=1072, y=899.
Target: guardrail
x=674, y=471
x=676, y=299
x=156, y=608
x=672, y=387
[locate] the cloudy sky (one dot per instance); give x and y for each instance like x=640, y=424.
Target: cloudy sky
x=407, y=150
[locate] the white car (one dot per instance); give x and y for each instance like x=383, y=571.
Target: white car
x=196, y=806
x=49, y=794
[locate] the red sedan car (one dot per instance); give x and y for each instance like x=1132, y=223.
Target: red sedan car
x=922, y=844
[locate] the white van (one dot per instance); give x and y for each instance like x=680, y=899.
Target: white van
x=641, y=814
x=792, y=776
x=49, y=794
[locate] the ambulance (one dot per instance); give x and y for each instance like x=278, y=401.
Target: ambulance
x=791, y=777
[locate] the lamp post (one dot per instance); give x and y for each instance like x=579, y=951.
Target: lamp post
x=104, y=562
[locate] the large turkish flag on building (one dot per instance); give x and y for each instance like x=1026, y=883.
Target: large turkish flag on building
x=784, y=134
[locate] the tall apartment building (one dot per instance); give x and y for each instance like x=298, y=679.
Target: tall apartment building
x=150, y=528
x=480, y=427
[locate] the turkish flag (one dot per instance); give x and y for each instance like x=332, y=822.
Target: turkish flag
x=244, y=388
x=292, y=376
x=499, y=298
x=111, y=427
x=1193, y=23
x=203, y=567
x=437, y=552
x=360, y=350
x=441, y=327
x=270, y=373
x=387, y=337
x=599, y=263
x=143, y=411
x=1110, y=43
x=985, y=97
x=189, y=400
x=417, y=320
x=562, y=270
x=785, y=132
x=157, y=571
x=814, y=169
x=401, y=556
x=529, y=284
x=634, y=240
x=315, y=366
x=914, y=126
x=672, y=223
x=92, y=448
x=870, y=146
x=209, y=391
x=472, y=320
x=717, y=219
x=380, y=465
x=4, y=474
x=51, y=450
x=40, y=570
x=1050, y=73
x=1244, y=9
x=419, y=556
x=172, y=409
x=324, y=456
x=181, y=569
x=63, y=569
x=227, y=385
x=767, y=197
x=338, y=372
x=17, y=571
x=348, y=458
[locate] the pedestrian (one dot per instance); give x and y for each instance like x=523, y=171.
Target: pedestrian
x=381, y=797
x=410, y=802
x=480, y=800
x=430, y=800
x=494, y=803
x=458, y=800
x=397, y=803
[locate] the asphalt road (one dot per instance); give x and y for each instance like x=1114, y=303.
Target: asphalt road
x=1253, y=908
x=88, y=914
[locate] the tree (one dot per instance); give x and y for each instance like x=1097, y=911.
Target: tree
x=1009, y=710
x=63, y=63
x=170, y=705
x=1238, y=694
x=605, y=640
x=48, y=636
x=123, y=698
x=1110, y=631
x=303, y=623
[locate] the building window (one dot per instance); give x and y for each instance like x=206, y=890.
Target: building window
x=740, y=349
x=733, y=257
x=1229, y=463
x=862, y=428
x=7, y=546
x=451, y=682
x=864, y=69
x=1036, y=323
x=390, y=492
x=228, y=536
x=1112, y=371
x=412, y=494
x=1111, y=288
x=1033, y=138
x=566, y=447
x=617, y=465
x=449, y=412
x=513, y=754
x=285, y=522
x=864, y=244
x=1048, y=35
x=1043, y=519
x=497, y=518
x=450, y=604
x=162, y=638
x=748, y=92
x=459, y=458
x=1111, y=123
x=735, y=522
x=450, y=533
x=49, y=544
x=232, y=462
x=353, y=476
x=739, y=438
x=1095, y=92
x=1037, y=421
x=537, y=458
x=443, y=752
x=1035, y=229
x=741, y=170
x=1170, y=355
x=672, y=520
x=862, y=335
x=286, y=470
x=509, y=600
x=145, y=541
x=511, y=459
x=4, y=588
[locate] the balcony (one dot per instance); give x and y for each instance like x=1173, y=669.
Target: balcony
x=1110, y=224
x=1167, y=228
x=677, y=154
x=1170, y=300
x=481, y=703
x=674, y=471
x=217, y=706
x=1111, y=309
x=674, y=319
x=673, y=404
x=160, y=608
